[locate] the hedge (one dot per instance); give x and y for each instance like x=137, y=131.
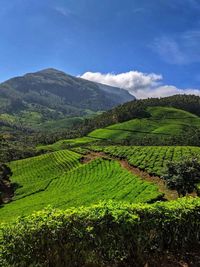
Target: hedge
x=105, y=234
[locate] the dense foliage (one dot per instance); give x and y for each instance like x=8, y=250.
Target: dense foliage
x=5, y=186
x=183, y=176
x=108, y=234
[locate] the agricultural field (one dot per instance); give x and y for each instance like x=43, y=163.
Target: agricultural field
x=33, y=175
x=75, y=177
x=166, y=125
x=60, y=180
x=152, y=159
x=68, y=143
x=164, y=122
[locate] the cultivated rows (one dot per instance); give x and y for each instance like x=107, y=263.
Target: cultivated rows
x=101, y=179
x=153, y=159
x=34, y=174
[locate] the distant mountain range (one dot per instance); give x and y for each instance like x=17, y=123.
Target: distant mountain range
x=42, y=98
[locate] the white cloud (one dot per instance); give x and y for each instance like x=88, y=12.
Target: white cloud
x=180, y=49
x=132, y=80
x=141, y=85
x=165, y=90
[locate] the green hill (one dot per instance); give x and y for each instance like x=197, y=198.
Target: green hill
x=164, y=124
x=156, y=121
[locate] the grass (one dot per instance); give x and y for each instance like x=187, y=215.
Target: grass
x=164, y=121
x=152, y=159
x=60, y=180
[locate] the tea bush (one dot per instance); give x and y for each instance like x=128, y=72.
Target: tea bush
x=106, y=234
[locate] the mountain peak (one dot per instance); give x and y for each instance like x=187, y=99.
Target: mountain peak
x=48, y=71
x=52, y=89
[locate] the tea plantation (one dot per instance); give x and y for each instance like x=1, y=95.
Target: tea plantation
x=164, y=126
x=164, y=122
x=152, y=159
x=33, y=175
x=60, y=180
x=100, y=200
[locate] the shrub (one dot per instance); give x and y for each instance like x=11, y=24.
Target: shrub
x=183, y=176
x=107, y=234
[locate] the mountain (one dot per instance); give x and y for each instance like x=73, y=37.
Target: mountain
x=37, y=99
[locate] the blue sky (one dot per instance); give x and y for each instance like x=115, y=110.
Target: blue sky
x=138, y=37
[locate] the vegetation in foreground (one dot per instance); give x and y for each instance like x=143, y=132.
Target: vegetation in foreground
x=108, y=234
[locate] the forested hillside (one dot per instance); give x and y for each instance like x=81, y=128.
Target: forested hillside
x=21, y=142
x=38, y=99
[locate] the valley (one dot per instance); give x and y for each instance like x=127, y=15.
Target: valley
x=100, y=133
x=116, y=168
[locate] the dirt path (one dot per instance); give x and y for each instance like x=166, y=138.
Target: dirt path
x=168, y=194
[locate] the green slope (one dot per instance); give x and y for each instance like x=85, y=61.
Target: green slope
x=165, y=126
x=152, y=159
x=59, y=179
x=68, y=143
x=164, y=122
x=33, y=175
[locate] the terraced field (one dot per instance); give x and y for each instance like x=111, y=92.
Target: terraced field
x=68, y=143
x=163, y=126
x=164, y=122
x=62, y=180
x=152, y=159
x=35, y=174
x=69, y=183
